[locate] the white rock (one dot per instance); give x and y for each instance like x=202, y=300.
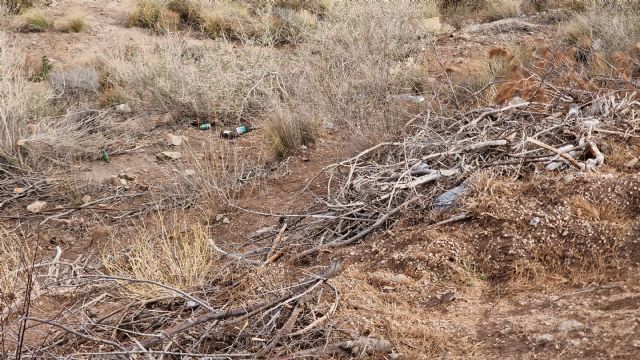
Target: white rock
x=226, y=220
x=543, y=339
x=169, y=155
x=570, y=325
x=123, y=109
x=86, y=199
x=534, y=221
x=189, y=172
x=36, y=206
x=174, y=140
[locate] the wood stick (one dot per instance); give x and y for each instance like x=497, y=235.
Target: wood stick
x=563, y=155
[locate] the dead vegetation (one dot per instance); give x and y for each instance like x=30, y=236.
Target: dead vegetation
x=497, y=175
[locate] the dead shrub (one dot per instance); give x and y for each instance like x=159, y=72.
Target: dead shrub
x=21, y=100
x=75, y=24
x=167, y=76
x=15, y=258
x=15, y=6
x=501, y=9
x=318, y=7
x=73, y=80
x=285, y=26
x=190, y=11
x=608, y=28
x=349, y=76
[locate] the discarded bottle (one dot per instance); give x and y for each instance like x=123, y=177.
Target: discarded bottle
x=230, y=134
x=205, y=126
x=105, y=156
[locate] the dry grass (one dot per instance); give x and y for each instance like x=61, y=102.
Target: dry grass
x=15, y=255
x=286, y=133
x=35, y=21
x=167, y=76
x=153, y=14
x=180, y=259
x=229, y=21
x=75, y=24
x=319, y=7
x=608, y=28
x=501, y=9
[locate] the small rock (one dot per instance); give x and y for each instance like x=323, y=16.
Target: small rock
x=388, y=288
x=101, y=232
x=36, y=206
x=169, y=155
x=18, y=190
x=86, y=199
x=570, y=325
x=534, y=221
x=189, y=172
x=127, y=176
x=219, y=217
x=636, y=343
x=516, y=100
x=226, y=220
x=123, y=182
x=174, y=140
x=123, y=109
x=543, y=339
x=568, y=179
x=190, y=304
x=448, y=296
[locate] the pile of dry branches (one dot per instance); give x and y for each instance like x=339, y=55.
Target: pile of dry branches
x=429, y=167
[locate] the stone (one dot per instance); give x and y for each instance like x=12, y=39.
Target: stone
x=123, y=109
x=127, y=176
x=18, y=190
x=570, y=325
x=534, y=221
x=86, y=199
x=544, y=339
x=189, y=172
x=169, y=155
x=219, y=217
x=36, y=206
x=174, y=140
x=226, y=220
x=448, y=296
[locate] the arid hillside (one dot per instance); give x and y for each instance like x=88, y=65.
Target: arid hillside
x=319, y=179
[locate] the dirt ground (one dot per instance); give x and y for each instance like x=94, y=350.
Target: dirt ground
x=435, y=292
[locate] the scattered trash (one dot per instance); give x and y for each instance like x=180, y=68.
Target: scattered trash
x=36, y=206
x=105, y=156
x=230, y=134
x=190, y=304
x=205, y=126
x=447, y=199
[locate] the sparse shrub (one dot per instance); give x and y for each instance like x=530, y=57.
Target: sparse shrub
x=75, y=24
x=610, y=28
x=112, y=97
x=190, y=11
x=15, y=6
x=501, y=9
x=229, y=21
x=43, y=72
x=35, y=21
x=287, y=133
x=153, y=14
x=319, y=7
x=284, y=25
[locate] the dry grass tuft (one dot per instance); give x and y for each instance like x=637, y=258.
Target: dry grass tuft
x=190, y=11
x=35, y=21
x=75, y=24
x=319, y=7
x=15, y=6
x=501, y=9
x=152, y=14
x=15, y=255
x=180, y=259
x=229, y=21
x=286, y=133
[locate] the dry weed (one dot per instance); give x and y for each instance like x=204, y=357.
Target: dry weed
x=181, y=259
x=15, y=6
x=153, y=14
x=167, y=76
x=500, y=9
x=15, y=258
x=75, y=24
